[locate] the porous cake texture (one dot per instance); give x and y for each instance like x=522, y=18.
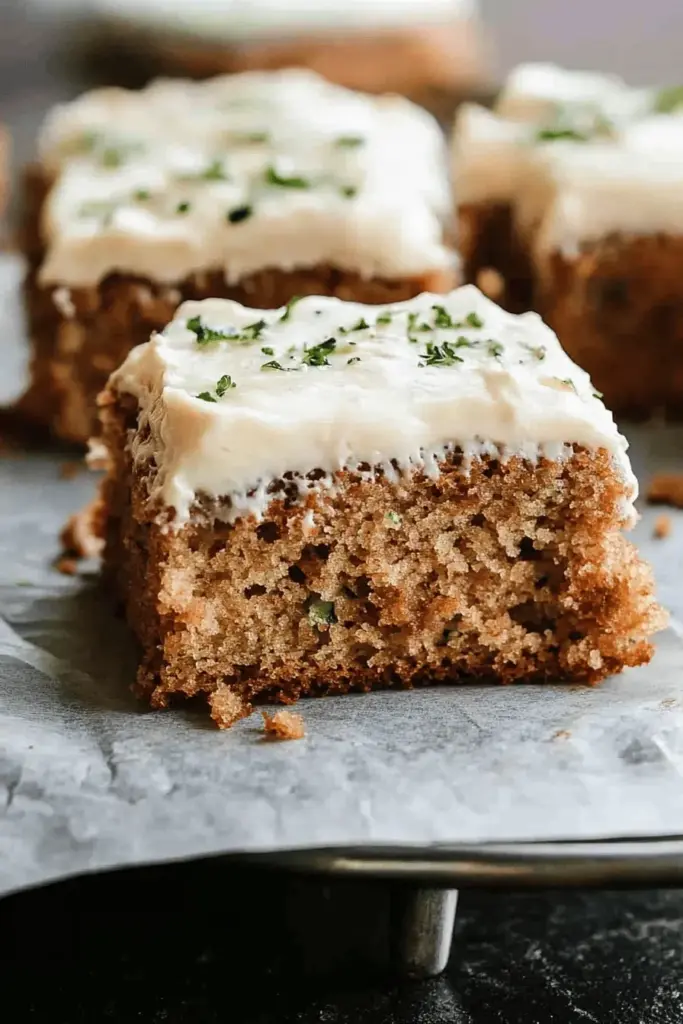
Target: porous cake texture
x=432, y=51
x=571, y=191
x=255, y=187
x=333, y=496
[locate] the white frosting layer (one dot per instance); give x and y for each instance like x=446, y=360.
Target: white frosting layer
x=147, y=182
x=393, y=386
x=578, y=156
x=254, y=19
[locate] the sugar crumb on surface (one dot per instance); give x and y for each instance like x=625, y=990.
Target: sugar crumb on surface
x=81, y=536
x=67, y=565
x=662, y=527
x=69, y=470
x=562, y=734
x=666, y=489
x=283, y=725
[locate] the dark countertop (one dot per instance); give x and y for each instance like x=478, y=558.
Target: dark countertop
x=204, y=943
x=198, y=943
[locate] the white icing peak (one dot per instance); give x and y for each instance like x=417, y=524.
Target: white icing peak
x=232, y=20
x=240, y=173
x=325, y=384
x=578, y=155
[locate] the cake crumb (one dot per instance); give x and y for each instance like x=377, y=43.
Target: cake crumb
x=666, y=489
x=562, y=734
x=67, y=565
x=81, y=537
x=283, y=725
x=662, y=527
x=69, y=470
x=491, y=283
x=227, y=707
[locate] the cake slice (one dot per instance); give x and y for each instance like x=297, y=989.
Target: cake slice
x=571, y=203
x=255, y=187
x=432, y=51
x=333, y=496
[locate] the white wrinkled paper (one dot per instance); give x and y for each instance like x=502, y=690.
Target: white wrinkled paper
x=89, y=779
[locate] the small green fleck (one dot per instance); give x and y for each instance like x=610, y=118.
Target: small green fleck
x=239, y=214
x=558, y=134
x=495, y=349
x=183, y=207
x=249, y=137
x=206, y=396
x=474, y=320
x=317, y=355
x=393, y=517
x=598, y=394
x=349, y=141
x=442, y=318
x=384, y=318
x=464, y=342
x=669, y=99
x=353, y=359
x=283, y=180
x=142, y=195
x=349, y=191
x=440, y=355
x=537, y=351
x=214, y=172
x=267, y=351
x=252, y=331
x=274, y=365
x=111, y=157
x=289, y=307
x=360, y=325
x=321, y=613
x=205, y=334
x=225, y=383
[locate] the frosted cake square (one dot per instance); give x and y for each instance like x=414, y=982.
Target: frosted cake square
x=333, y=496
x=570, y=202
x=255, y=187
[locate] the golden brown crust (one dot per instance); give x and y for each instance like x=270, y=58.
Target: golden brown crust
x=617, y=306
x=79, y=339
x=511, y=572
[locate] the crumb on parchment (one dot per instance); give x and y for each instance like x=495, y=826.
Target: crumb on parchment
x=283, y=725
x=662, y=527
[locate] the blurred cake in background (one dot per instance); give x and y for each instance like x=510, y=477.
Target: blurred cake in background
x=430, y=50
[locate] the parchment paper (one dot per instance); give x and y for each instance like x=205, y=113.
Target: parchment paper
x=89, y=780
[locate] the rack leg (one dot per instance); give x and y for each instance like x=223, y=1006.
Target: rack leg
x=421, y=930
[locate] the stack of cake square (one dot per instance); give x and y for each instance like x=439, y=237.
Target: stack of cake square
x=571, y=203
x=330, y=469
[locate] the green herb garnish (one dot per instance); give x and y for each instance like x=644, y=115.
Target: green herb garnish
x=249, y=137
x=141, y=194
x=474, y=320
x=393, y=517
x=349, y=141
x=495, y=349
x=349, y=191
x=284, y=180
x=440, y=355
x=360, y=325
x=442, y=318
x=205, y=334
x=669, y=99
x=214, y=172
x=384, y=318
x=289, y=307
x=225, y=383
x=206, y=396
x=559, y=133
x=537, y=351
x=252, y=331
x=353, y=359
x=268, y=351
x=321, y=613
x=317, y=355
x=239, y=214
x=183, y=207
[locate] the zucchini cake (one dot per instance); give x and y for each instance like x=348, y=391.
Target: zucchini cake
x=255, y=187
x=432, y=51
x=571, y=203
x=333, y=496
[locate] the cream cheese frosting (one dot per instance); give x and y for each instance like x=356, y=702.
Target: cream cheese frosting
x=239, y=174
x=578, y=155
x=235, y=398
x=232, y=20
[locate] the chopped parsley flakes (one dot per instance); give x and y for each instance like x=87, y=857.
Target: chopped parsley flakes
x=384, y=318
x=349, y=141
x=289, y=307
x=353, y=359
x=183, y=207
x=349, y=191
x=214, y=172
x=360, y=325
x=223, y=385
x=267, y=351
x=669, y=99
x=393, y=518
x=440, y=355
x=273, y=177
x=205, y=334
x=537, y=351
x=495, y=349
x=317, y=355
